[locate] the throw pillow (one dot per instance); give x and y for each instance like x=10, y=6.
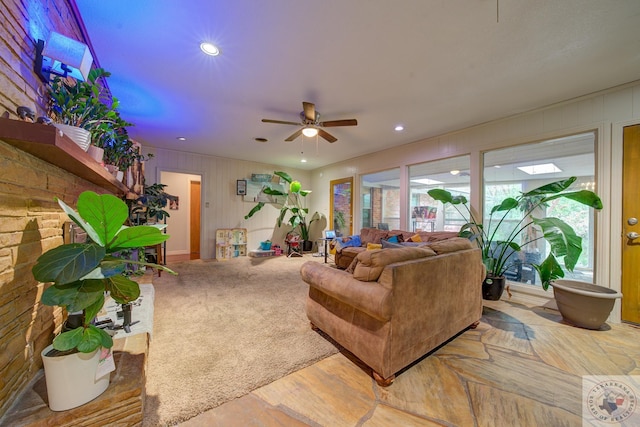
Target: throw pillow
x=392, y=239
x=415, y=238
x=372, y=246
x=389, y=244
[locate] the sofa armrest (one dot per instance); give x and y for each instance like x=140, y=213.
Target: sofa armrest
x=369, y=297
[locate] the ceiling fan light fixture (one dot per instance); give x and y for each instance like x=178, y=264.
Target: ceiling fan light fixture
x=209, y=49
x=309, y=131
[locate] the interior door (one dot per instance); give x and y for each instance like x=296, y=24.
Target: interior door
x=631, y=225
x=194, y=219
x=341, y=215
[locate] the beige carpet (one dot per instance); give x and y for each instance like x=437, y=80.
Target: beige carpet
x=222, y=329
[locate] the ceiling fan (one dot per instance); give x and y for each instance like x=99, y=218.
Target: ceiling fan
x=311, y=124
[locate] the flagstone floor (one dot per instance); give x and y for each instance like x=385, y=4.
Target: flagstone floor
x=523, y=366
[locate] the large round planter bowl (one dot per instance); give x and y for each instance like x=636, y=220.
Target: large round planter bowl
x=584, y=304
x=80, y=136
x=71, y=379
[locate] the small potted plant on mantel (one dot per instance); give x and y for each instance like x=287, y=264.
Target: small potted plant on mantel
x=82, y=273
x=82, y=109
x=496, y=253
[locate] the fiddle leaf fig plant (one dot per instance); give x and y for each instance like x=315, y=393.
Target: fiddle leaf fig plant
x=83, y=272
x=564, y=242
x=292, y=205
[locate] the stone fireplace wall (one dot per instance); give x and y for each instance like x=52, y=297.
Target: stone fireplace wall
x=30, y=219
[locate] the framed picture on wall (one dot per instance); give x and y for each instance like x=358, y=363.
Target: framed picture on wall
x=241, y=187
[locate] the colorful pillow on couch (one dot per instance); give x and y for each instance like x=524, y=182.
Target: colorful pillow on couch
x=373, y=246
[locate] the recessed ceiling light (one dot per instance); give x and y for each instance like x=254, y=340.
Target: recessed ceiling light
x=540, y=169
x=181, y=138
x=398, y=128
x=303, y=161
x=209, y=49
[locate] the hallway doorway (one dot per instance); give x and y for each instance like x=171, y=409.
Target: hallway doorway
x=184, y=221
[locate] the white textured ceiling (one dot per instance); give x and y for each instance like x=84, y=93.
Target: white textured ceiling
x=433, y=65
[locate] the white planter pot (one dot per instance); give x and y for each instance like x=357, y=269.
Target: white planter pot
x=96, y=153
x=71, y=379
x=584, y=304
x=80, y=136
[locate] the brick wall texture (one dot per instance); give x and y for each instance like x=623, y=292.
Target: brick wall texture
x=30, y=219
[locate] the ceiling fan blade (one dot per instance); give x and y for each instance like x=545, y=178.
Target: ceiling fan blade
x=334, y=123
x=280, y=122
x=309, y=111
x=294, y=135
x=326, y=135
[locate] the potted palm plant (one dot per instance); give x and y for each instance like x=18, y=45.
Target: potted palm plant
x=497, y=254
x=82, y=273
x=292, y=205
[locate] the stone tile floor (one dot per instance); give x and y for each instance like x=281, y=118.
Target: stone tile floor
x=522, y=366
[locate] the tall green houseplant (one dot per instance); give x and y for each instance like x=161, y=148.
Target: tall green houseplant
x=564, y=242
x=292, y=205
x=83, y=272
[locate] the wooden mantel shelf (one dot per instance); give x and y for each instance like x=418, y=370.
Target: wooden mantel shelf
x=51, y=145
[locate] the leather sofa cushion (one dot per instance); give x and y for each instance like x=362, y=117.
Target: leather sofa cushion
x=372, y=235
x=451, y=245
x=369, y=264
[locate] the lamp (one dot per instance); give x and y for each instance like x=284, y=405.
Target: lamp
x=62, y=56
x=309, y=131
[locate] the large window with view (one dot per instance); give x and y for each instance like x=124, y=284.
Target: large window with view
x=512, y=171
x=380, y=199
x=426, y=214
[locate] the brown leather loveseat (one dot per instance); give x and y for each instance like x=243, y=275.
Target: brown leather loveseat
x=397, y=304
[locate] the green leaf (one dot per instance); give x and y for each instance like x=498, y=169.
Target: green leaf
x=107, y=268
x=284, y=176
x=506, y=205
x=273, y=192
x=91, y=340
x=105, y=213
x=440, y=195
x=74, y=296
x=563, y=239
x=122, y=289
x=105, y=338
x=75, y=216
x=136, y=237
x=255, y=209
x=304, y=193
x=548, y=271
x=552, y=188
x=68, y=263
x=68, y=340
x=585, y=197
x=92, y=310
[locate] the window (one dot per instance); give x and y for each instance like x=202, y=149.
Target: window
x=380, y=193
x=511, y=171
x=425, y=213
